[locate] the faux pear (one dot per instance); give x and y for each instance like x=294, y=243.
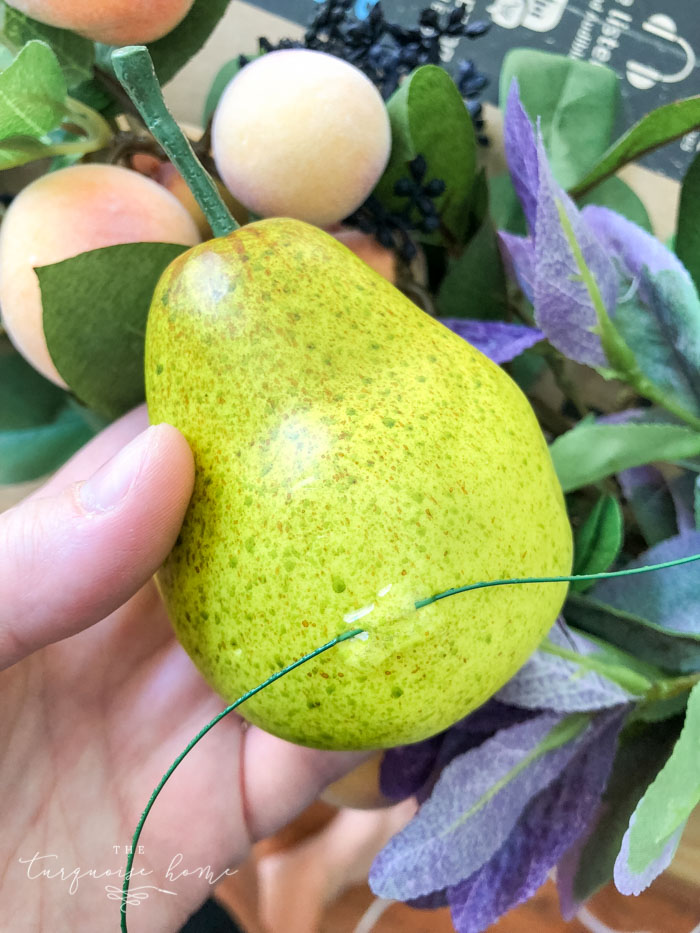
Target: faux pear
x=352, y=456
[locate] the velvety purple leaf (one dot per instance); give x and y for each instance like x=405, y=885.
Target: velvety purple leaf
x=474, y=806
x=500, y=341
x=628, y=882
x=549, y=682
x=659, y=317
x=550, y=824
x=635, y=247
x=563, y=307
x=518, y=254
x=469, y=733
x=405, y=769
x=521, y=154
x=668, y=598
x=409, y=770
x=568, y=866
x=429, y=901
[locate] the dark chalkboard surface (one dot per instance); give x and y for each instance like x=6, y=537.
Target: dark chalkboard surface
x=654, y=46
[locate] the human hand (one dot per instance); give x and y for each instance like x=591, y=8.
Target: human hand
x=98, y=699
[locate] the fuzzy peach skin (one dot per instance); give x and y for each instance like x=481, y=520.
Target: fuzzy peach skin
x=71, y=211
x=364, y=245
x=114, y=22
x=299, y=133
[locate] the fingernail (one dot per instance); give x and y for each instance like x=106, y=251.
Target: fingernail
x=111, y=483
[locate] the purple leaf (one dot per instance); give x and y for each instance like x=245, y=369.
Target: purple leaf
x=409, y=770
x=500, y=341
x=668, y=598
x=568, y=866
x=563, y=307
x=469, y=733
x=475, y=804
x=521, y=154
x=405, y=769
x=634, y=246
x=550, y=824
x=549, y=682
x=659, y=318
x=518, y=254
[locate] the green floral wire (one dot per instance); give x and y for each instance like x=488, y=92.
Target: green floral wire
x=344, y=637
x=200, y=735
x=571, y=579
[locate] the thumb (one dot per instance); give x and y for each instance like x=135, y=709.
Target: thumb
x=69, y=560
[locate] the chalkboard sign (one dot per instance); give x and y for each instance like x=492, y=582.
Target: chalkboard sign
x=653, y=45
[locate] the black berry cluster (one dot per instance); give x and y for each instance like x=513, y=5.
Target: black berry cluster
x=385, y=51
x=393, y=229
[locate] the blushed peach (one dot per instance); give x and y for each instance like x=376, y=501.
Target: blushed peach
x=114, y=22
x=71, y=211
x=364, y=245
x=299, y=133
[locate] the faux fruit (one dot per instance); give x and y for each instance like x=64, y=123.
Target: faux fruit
x=364, y=245
x=352, y=456
x=299, y=133
x=68, y=212
x=114, y=22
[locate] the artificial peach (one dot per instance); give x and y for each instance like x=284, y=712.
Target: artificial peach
x=299, y=133
x=364, y=245
x=71, y=211
x=114, y=22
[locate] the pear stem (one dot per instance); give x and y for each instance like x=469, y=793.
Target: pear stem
x=134, y=68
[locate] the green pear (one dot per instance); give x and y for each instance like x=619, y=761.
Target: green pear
x=352, y=456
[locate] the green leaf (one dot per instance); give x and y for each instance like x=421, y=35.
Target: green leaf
x=688, y=231
x=639, y=759
x=675, y=651
x=618, y=196
x=672, y=796
x=75, y=54
x=475, y=283
x=29, y=453
x=598, y=541
x=660, y=324
x=506, y=209
x=27, y=400
x=590, y=452
x=428, y=118
x=95, y=311
x=172, y=52
x=32, y=94
x=576, y=102
x=224, y=76
x=657, y=128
